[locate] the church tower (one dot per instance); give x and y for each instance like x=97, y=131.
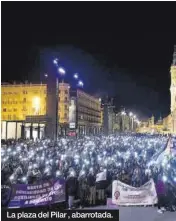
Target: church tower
x=173, y=82
x=173, y=92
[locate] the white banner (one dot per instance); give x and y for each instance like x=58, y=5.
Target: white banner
x=100, y=176
x=123, y=194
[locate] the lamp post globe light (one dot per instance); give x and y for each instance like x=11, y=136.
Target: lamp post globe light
x=75, y=76
x=61, y=71
x=80, y=84
x=52, y=100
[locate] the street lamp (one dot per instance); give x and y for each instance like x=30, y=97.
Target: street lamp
x=130, y=114
x=75, y=76
x=61, y=71
x=55, y=61
x=80, y=83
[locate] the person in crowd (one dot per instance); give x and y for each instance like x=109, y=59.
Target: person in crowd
x=83, y=188
x=161, y=193
x=100, y=185
x=71, y=188
x=171, y=197
x=92, y=188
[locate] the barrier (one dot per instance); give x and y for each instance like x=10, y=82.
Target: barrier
x=125, y=195
x=45, y=193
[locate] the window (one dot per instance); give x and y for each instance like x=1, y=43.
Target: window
x=24, y=100
x=24, y=108
x=9, y=117
x=14, y=109
x=66, y=92
x=65, y=99
x=24, y=92
x=59, y=91
x=14, y=117
x=65, y=107
x=65, y=115
x=4, y=109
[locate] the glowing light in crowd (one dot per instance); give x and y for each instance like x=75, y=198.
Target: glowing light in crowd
x=107, y=152
x=58, y=173
x=24, y=179
x=164, y=178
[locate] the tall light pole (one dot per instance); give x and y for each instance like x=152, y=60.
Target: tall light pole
x=123, y=114
x=131, y=118
x=52, y=98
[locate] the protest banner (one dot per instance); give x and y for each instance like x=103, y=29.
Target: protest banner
x=123, y=194
x=48, y=192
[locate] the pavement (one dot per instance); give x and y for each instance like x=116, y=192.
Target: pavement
x=140, y=213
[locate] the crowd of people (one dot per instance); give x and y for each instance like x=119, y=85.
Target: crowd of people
x=131, y=158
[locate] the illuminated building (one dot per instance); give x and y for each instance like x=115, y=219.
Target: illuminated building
x=23, y=109
x=85, y=118
x=167, y=124
x=173, y=92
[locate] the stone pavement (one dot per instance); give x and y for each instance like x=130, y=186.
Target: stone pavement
x=141, y=214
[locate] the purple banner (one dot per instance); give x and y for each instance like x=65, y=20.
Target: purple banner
x=48, y=192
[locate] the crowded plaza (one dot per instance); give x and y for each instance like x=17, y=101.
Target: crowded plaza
x=130, y=158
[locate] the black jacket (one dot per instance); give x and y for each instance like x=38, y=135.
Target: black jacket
x=91, y=180
x=71, y=186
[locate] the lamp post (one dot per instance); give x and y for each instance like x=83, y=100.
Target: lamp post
x=52, y=97
x=123, y=114
x=131, y=118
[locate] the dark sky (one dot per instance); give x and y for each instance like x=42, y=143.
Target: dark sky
x=120, y=49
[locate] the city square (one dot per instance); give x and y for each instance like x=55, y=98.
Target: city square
x=88, y=118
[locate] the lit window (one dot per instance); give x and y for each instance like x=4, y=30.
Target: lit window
x=36, y=104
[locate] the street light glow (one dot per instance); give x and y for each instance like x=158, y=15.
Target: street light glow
x=61, y=70
x=80, y=83
x=131, y=114
x=55, y=61
x=123, y=113
x=75, y=76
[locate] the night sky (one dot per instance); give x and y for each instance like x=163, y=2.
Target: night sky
x=123, y=50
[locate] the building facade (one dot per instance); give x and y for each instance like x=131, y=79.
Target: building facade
x=87, y=115
x=24, y=108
